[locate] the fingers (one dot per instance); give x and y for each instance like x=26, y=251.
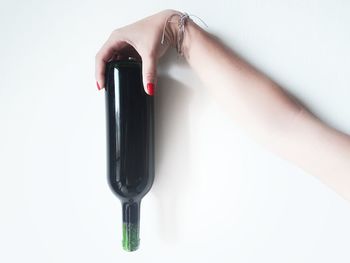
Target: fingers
x=107, y=52
x=149, y=73
x=117, y=47
x=101, y=59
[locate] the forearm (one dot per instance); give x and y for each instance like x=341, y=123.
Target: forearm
x=320, y=150
x=255, y=102
x=262, y=108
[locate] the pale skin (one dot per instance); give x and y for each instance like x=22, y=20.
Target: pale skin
x=255, y=103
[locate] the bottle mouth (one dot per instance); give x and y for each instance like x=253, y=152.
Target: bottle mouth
x=131, y=240
x=131, y=225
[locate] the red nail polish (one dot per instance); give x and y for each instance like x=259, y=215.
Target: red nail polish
x=150, y=88
x=98, y=85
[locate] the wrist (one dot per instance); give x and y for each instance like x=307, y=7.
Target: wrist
x=170, y=26
x=190, y=36
x=181, y=40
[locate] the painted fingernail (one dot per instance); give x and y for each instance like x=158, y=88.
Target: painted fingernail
x=98, y=85
x=150, y=88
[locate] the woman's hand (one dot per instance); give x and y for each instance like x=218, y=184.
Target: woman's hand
x=141, y=40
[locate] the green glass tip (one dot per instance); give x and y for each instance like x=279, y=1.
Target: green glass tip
x=131, y=238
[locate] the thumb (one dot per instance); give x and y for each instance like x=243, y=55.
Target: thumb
x=149, y=74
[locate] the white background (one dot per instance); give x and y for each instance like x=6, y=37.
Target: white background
x=217, y=194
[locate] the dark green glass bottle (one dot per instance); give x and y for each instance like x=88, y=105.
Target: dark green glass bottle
x=130, y=143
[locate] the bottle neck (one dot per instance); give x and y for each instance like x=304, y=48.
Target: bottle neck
x=131, y=225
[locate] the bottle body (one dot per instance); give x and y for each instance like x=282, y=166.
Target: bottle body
x=130, y=142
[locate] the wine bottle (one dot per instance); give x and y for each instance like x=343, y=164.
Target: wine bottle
x=130, y=143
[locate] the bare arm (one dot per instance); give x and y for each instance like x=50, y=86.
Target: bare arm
x=255, y=103
x=258, y=105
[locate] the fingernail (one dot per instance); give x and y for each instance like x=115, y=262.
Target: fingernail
x=150, y=88
x=98, y=85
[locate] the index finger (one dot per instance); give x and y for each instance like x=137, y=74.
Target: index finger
x=107, y=51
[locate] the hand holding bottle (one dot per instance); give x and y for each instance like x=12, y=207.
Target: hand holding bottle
x=141, y=40
x=254, y=101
